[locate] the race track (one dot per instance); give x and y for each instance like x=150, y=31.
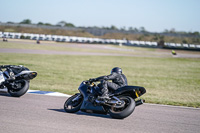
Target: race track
x=160, y=53
x=34, y=113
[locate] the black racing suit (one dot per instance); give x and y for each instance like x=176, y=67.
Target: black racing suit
x=118, y=80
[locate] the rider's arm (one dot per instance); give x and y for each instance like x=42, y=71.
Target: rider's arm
x=111, y=76
x=108, y=77
x=100, y=78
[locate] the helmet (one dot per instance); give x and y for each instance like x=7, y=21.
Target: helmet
x=116, y=70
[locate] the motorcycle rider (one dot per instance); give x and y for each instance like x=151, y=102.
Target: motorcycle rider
x=10, y=72
x=118, y=80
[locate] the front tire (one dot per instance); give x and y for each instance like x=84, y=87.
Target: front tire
x=73, y=104
x=17, y=92
x=125, y=111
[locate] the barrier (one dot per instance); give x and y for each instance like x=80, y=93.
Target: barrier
x=75, y=39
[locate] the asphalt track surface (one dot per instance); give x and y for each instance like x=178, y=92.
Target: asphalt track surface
x=34, y=113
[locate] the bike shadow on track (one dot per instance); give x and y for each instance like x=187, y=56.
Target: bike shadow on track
x=5, y=94
x=83, y=113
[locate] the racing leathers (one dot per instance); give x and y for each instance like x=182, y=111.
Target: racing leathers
x=118, y=80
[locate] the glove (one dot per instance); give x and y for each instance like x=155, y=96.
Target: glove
x=12, y=76
x=92, y=80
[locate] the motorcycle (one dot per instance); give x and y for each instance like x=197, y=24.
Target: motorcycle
x=16, y=79
x=121, y=102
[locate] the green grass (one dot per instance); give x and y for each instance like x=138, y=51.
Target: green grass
x=45, y=45
x=173, y=81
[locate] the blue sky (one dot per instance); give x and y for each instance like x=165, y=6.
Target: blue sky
x=154, y=15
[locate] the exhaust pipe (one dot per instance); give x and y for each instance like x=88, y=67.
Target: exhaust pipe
x=139, y=102
x=30, y=76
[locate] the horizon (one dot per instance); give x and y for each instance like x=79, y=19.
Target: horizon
x=137, y=29
x=154, y=15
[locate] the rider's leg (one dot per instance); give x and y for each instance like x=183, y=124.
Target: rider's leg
x=105, y=88
x=112, y=86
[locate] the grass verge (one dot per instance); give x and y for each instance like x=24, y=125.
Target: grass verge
x=173, y=81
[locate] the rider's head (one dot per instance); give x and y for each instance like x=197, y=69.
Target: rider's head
x=116, y=70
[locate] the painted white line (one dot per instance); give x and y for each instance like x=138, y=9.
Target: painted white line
x=49, y=93
x=171, y=106
x=32, y=91
x=58, y=94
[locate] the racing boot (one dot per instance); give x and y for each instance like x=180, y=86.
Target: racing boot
x=105, y=95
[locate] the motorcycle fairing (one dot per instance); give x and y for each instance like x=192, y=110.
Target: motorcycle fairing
x=130, y=90
x=89, y=107
x=86, y=105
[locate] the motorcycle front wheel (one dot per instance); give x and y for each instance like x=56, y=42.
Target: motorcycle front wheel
x=21, y=89
x=73, y=104
x=120, y=112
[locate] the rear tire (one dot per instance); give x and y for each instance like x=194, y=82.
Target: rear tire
x=120, y=113
x=71, y=106
x=19, y=91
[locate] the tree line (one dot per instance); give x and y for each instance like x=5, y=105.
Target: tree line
x=112, y=27
x=112, y=32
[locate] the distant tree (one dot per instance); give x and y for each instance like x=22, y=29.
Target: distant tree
x=155, y=38
x=130, y=29
x=198, y=40
x=142, y=29
x=113, y=27
x=195, y=40
x=196, y=33
x=123, y=28
x=48, y=24
x=96, y=27
x=162, y=38
x=166, y=31
x=161, y=43
x=40, y=23
x=63, y=23
x=22, y=37
x=172, y=30
x=140, y=38
x=26, y=21
x=9, y=22
x=107, y=28
x=135, y=29
x=69, y=25
x=184, y=41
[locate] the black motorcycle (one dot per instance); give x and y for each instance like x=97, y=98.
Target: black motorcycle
x=121, y=103
x=16, y=79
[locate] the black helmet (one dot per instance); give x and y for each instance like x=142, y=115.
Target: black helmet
x=116, y=70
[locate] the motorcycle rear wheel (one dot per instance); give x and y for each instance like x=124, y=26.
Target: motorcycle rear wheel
x=71, y=106
x=19, y=91
x=123, y=112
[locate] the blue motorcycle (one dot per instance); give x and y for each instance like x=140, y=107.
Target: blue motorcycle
x=121, y=103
